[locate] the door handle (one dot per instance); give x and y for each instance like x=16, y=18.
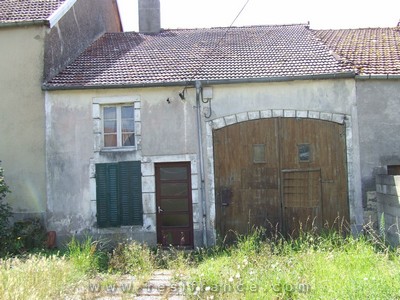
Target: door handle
x=159, y=209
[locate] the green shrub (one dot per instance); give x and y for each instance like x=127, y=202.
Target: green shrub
x=85, y=255
x=28, y=234
x=132, y=258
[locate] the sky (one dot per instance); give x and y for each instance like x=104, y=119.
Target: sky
x=334, y=14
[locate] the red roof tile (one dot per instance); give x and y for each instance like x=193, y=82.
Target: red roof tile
x=27, y=10
x=370, y=50
x=183, y=55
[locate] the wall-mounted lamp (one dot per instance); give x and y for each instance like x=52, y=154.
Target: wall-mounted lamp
x=168, y=101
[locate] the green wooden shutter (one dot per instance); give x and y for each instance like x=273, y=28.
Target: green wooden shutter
x=101, y=195
x=130, y=193
x=107, y=195
x=113, y=195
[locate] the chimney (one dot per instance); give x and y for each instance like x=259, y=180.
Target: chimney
x=149, y=16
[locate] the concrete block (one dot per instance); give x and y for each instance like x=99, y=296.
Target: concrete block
x=96, y=114
x=218, y=123
x=137, y=115
x=147, y=169
x=254, y=115
x=301, y=114
x=393, y=190
x=338, y=118
x=277, y=113
x=195, y=196
x=137, y=105
x=289, y=113
x=194, y=166
x=149, y=203
x=93, y=208
x=92, y=189
x=384, y=189
x=149, y=222
x=97, y=126
x=388, y=200
x=148, y=184
x=208, y=128
x=313, y=114
x=138, y=128
x=265, y=114
x=229, y=120
x=388, y=179
x=98, y=141
x=326, y=116
x=195, y=181
x=242, y=117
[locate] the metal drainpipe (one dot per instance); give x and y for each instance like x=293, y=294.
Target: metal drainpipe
x=201, y=161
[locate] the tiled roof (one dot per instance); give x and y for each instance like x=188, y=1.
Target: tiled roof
x=27, y=10
x=370, y=50
x=183, y=55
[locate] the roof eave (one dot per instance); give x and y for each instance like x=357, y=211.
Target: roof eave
x=25, y=23
x=341, y=75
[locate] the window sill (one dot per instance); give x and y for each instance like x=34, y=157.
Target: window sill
x=118, y=149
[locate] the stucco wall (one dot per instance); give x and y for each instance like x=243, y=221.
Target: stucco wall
x=378, y=114
x=168, y=132
x=22, y=130
x=79, y=27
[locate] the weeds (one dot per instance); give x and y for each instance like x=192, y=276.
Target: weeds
x=36, y=277
x=314, y=265
x=132, y=258
x=311, y=266
x=85, y=256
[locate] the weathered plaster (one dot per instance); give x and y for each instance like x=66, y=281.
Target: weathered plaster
x=22, y=130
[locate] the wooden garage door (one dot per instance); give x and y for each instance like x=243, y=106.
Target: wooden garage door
x=279, y=173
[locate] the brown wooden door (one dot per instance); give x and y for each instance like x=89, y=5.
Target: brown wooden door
x=278, y=173
x=174, y=204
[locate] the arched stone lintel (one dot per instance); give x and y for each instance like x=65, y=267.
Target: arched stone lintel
x=278, y=113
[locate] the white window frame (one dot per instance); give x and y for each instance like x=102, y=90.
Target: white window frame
x=98, y=121
x=119, y=125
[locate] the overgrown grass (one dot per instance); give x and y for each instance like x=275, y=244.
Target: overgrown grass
x=324, y=266
x=37, y=277
x=309, y=267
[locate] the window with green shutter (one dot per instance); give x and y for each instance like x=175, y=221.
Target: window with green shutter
x=119, y=194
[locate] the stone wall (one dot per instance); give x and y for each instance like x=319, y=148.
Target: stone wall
x=388, y=205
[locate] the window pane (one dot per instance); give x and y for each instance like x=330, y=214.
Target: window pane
x=174, y=189
x=128, y=126
x=175, y=220
x=110, y=112
x=110, y=140
x=127, y=112
x=110, y=126
x=175, y=204
x=304, y=152
x=128, y=139
x=175, y=173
